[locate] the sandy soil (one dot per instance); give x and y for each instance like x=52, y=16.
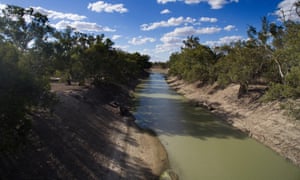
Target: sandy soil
x=264, y=122
x=85, y=137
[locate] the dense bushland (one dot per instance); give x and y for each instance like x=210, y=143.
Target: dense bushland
x=31, y=51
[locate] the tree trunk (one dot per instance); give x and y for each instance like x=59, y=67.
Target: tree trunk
x=69, y=79
x=279, y=69
x=243, y=89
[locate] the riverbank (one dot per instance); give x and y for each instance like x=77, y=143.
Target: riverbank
x=264, y=122
x=86, y=137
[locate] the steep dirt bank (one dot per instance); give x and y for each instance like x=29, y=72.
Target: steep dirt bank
x=264, y=122
x=86, y=138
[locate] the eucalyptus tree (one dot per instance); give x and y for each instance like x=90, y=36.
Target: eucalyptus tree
x=191, y=42
x=30, y=32
x=99, y=57
x=175, y=68
x=20, y=91
x=69, y=48
x=289, y=56
x=270, y=38
x=243, y=64
x=246, y=62
x=24, y=27
x=194, y=62
x=24, y=49
x=270, y=54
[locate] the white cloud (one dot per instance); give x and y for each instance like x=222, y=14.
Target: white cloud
x=192, y=1
x=287, y=10
x=173, y=40
x=208, y=30
x=141, y=40
x=182, y=31
x=157, y=57
x=190, y=30
x=229, y=27
x=165, y=1
x=223, y=41
x=165, y=11
x=169, y=43
x=51, y=14
x=208, y=19
x=170, y=22
x=58, y=15
x=167, y=39
x=102, y=6
x=83, y=26
x=218, y=4
x=68, y=19
x=215, y=4
x=160, y=48
x=115, y=37
x=2, y=6
x=122, y=47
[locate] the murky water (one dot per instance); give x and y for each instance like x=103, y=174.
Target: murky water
x=199, y=145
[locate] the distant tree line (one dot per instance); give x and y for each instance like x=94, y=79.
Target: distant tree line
x=270, y=55
x=31, y=51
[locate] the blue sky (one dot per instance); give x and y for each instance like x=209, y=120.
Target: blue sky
x=158, y=27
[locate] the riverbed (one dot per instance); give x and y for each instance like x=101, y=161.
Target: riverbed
x=201, y=146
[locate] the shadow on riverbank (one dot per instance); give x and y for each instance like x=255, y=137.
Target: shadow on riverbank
x=84, y=138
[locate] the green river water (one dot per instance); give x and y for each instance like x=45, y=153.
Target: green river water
x=201, y=147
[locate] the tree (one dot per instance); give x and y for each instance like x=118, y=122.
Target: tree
x=274, y=33
x=243, y=64
x=23, y=49
x=297, y=4
x=28, y=58
x=194, y=62
x=289, y=86
x=69, y=53
x=191, y=42
x=29, y=31
x=20, y=90
x=16, y=29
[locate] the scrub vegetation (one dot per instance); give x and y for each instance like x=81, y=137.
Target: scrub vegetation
x=270, y=57
x=31, y=52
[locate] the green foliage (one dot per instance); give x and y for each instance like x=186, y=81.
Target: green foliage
x=244, y=64
x=162, y=65
x=278, y=91
x=223, y=73
x=292, y=108
x=20, y=90
x=291, y=88
x=194, y=62
x=23, y=73
x=28, y=59
x=15, y=29
x=79, y=57
x=271, y=56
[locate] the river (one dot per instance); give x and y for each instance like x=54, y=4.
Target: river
x=201, y=146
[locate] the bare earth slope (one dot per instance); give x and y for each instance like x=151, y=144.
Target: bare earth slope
x=264, y=122
x=86, y=138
